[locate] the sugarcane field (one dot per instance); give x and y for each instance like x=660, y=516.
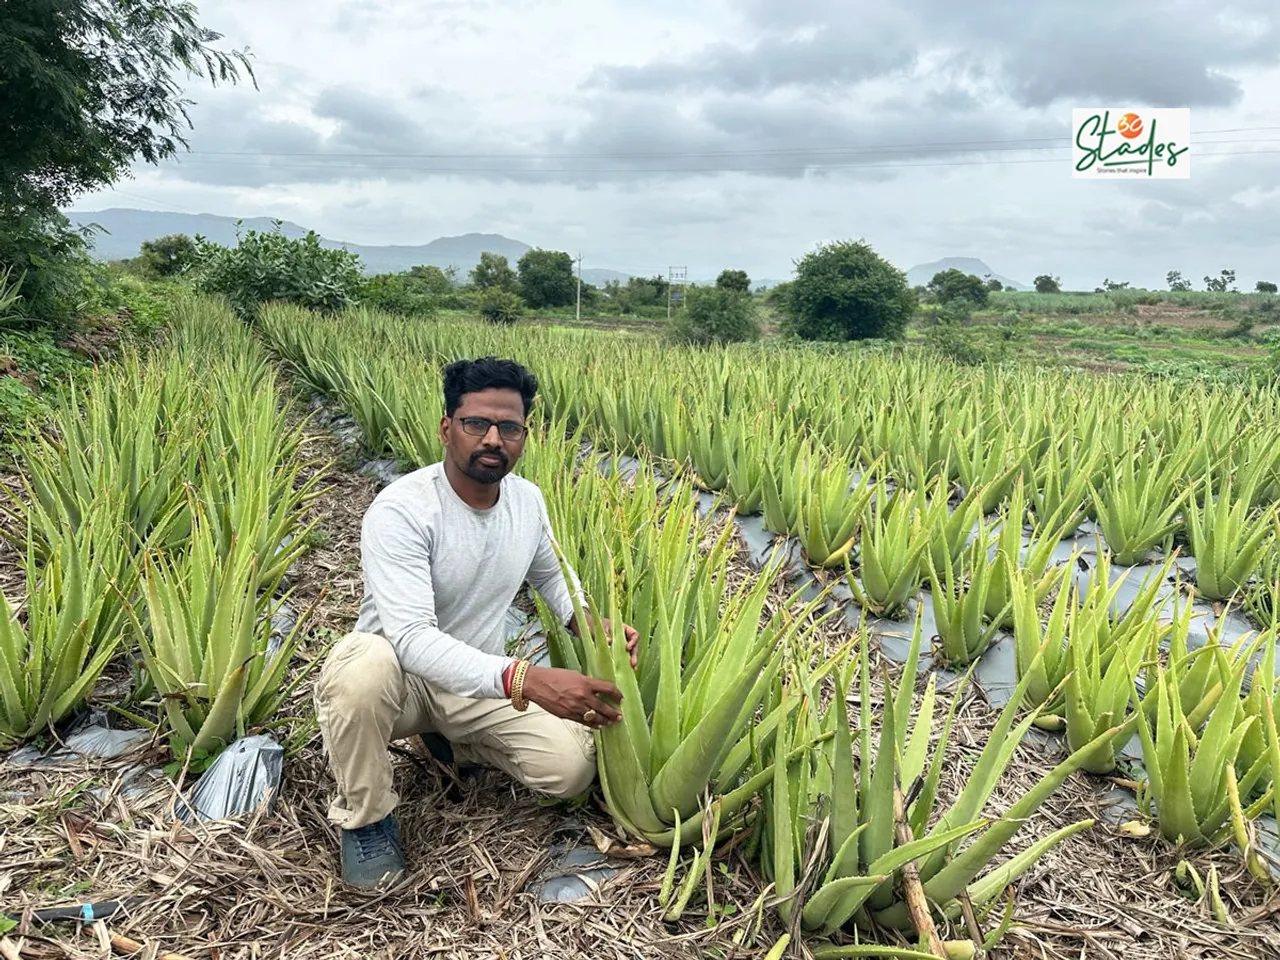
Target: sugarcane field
x=619, y=480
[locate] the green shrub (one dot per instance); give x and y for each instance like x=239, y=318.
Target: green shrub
x=18, y=406
x=951, y=335
x=53, y=261
x=500, y=306
x=715, y=315
x=37, y=357
x=167, y=256
x=640, y=296
x=956, y=342
x=263, y=267
x=846, y=291
x=11, y=304
x=400, y=293
x=1240, y=329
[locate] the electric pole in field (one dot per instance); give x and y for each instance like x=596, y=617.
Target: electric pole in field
x=579, y=287
x=676, y=276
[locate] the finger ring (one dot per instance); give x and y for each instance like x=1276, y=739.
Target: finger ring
x=589, y=717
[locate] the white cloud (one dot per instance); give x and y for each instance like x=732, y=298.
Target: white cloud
x=503, y=91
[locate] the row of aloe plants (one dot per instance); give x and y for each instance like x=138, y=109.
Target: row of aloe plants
x=160, y=509
x=712, y=718
x=1150, y=469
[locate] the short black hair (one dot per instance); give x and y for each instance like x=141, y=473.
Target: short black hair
x=487, y=373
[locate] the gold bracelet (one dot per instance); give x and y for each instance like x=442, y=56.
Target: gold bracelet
x=517, y=686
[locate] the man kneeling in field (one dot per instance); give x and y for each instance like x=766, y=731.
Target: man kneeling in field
x=444, y=551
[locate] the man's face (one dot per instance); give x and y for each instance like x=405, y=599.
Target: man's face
x=486, y=458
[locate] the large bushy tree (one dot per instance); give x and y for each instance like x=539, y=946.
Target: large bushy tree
x=493, y=272
x=90, y=85
x=86, y=88
x=846, y=291
x=953, y=284
x=546, y=278
x=734, y=280
x=432, y=279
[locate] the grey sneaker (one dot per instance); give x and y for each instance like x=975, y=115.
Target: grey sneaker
x=372, y=853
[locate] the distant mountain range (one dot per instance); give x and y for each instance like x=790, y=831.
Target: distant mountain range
x=127, y=229
x=919, y=276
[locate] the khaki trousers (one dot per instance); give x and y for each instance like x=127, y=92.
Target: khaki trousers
x=364, y=701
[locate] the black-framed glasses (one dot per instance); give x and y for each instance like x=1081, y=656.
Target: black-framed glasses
x=507, y=429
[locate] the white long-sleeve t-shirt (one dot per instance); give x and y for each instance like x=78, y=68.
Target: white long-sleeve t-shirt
x=439, y=575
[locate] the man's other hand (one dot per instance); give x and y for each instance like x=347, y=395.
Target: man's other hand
x=628, y=631
x=632, y=639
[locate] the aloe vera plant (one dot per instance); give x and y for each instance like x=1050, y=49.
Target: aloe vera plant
x=1098, y=696
x=127, y=436
x=251, y=483
x=622, y=418
x=892, y=545
x=709, y=453
x=915, y=438
x=1138, y=504
x=949, y=530
x=859, y=862
x=205, y=639
x=1033, y=559
x=829, y=515
x=1085, y=617
x=1045, y=670
x=1228, y=538
x=782, y=490
x=748, y=447
x=986, y=458
x=371, y=396
x=1192, y=776
x=696, y=730
x=1262, y=597
x=960, y=605
x=1059, y=483
x=1259, y=757
x=674, y=442
x=74, y=618
x=414, y=436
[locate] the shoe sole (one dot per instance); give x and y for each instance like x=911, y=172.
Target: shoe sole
x=387, y=879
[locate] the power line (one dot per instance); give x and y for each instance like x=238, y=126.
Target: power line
x=528, y=171
x=973, y=145
x=136, y=196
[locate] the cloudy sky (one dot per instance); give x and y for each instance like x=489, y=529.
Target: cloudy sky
x=709, y=133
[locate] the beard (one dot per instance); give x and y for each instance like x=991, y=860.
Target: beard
x=483, y=473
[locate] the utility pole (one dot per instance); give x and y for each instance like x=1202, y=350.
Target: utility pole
x=579, y=286
x=675, y=276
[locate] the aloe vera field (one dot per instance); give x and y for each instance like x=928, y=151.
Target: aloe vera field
x=934, y=660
